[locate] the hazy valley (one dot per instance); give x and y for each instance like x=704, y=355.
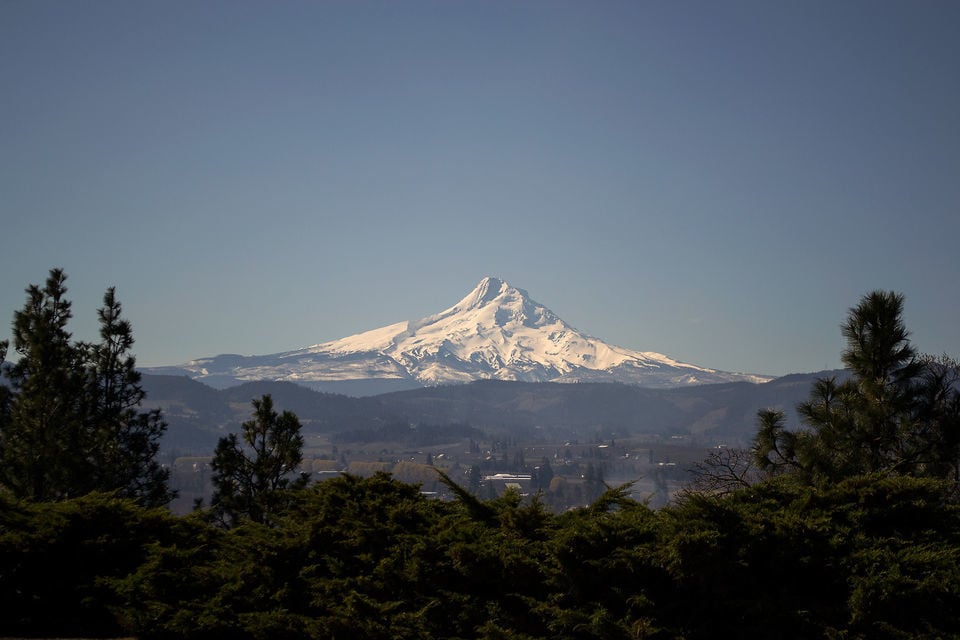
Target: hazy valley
x=495, y=384
x=627, y=433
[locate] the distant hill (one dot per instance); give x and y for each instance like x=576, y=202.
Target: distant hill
x=198, y=414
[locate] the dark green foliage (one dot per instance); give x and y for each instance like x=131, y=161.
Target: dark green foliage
x=366, y=568
x=897, y=414
x=184, y=587
x=492, y=567
x=344, y=560
x=124, y=439
x=56, y=561
x=72, y=422
x=796, y=562
x=765, y=552
x=610, y=581
x=871, y=557
x=249, y=481
x=42, y=446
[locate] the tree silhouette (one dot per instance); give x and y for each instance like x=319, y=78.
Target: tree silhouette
x=70, y=424
x=896, y=414
x=125, y=441
x=42, y=453
x=248, y=480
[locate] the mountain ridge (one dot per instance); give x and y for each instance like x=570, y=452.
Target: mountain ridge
x=496, y=332
x=198, y=414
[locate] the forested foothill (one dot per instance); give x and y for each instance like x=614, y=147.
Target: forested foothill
x=846, y=525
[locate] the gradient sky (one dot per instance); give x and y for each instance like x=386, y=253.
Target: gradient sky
x=716, y=181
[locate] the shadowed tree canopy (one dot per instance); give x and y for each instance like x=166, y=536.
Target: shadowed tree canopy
x=248, y=479
x=127, y=439
x=41, y=453
x=897, y=414
x=70, y=422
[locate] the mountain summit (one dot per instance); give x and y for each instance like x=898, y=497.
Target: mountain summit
x=495, y=332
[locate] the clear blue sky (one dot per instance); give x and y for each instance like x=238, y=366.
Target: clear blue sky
x=717, y=181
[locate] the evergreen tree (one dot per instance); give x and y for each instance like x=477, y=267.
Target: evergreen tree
x=70, y=425
x=42, y=453
x=896, y=414
x=248, y=481
x=885, y=370
x=125, y=441
x=938, y=411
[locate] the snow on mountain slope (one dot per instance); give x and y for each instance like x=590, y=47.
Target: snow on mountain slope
x=496, y=331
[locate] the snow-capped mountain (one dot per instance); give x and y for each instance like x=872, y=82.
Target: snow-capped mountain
x=495, y=332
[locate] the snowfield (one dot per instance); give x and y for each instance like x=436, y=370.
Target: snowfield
x=495, y=332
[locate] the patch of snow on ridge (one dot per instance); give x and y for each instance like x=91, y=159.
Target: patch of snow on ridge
x=373, y=340
x=662, y=359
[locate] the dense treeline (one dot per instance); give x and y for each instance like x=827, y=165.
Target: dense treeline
x=871, y=557
x=847, y=527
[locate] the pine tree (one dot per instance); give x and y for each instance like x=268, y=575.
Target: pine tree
x=885, y=370
x=42, y=453
x=896, y=414
x=249, y=481
x=69, y=424
x=124, y=440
